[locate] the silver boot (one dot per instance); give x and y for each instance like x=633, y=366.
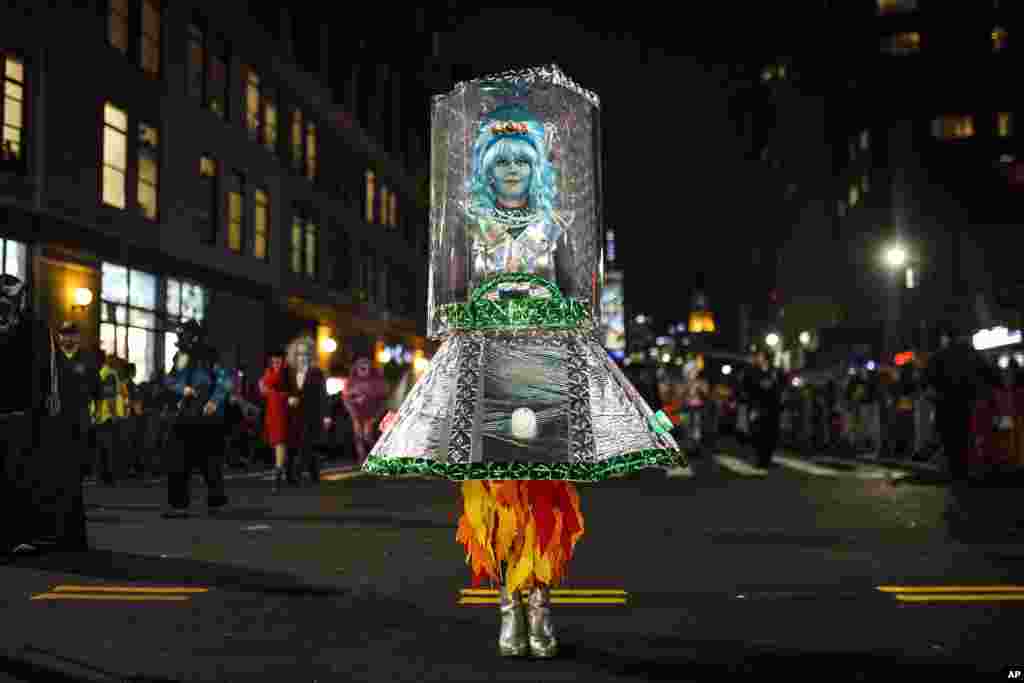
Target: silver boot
x=543, y=642
x=512, y=639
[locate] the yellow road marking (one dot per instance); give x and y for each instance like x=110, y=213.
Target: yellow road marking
x=132, y=598
x=578, y=601
x=126, y=589
x=554, y=591
x=963, y=597
x=951, y=589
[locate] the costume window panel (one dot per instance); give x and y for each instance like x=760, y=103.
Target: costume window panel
x=524, y=408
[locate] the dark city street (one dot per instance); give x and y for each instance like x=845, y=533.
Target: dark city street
x=458, y=343
x=360, y=580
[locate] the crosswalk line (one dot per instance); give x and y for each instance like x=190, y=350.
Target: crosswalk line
x=806, y=467
x=736, y=465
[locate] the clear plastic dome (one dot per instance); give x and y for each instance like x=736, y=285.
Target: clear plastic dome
x=515, y=202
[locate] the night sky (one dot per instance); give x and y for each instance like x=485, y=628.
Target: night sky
x=677, y=190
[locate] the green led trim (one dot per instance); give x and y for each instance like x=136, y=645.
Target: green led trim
x=385, y=466
x=481, y=313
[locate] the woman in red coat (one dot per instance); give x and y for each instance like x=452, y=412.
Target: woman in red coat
x=279, y=392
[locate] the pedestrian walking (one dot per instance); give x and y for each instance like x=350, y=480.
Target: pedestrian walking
x=201, y=386
x=365, y=396
x=280, y=394
x=311, y=413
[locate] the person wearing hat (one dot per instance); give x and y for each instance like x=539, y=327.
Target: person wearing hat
x=40, y=488
x=202, y=386
x=79, y=381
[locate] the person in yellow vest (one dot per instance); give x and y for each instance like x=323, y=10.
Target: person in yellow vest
x=107, y=412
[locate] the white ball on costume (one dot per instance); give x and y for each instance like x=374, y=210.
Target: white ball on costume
x=524, y=423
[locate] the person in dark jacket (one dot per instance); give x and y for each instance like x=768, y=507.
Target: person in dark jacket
x=41, y=498
x=959, y=375
x=313, y=417
x=79, y=385
x=763, y=385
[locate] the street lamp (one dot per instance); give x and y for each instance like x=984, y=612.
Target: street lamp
x=805, y=338
x=896, y=256
x=772, y=340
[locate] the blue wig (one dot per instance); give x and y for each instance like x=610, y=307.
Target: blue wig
x=490, y=147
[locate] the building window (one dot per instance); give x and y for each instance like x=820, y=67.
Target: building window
x=184, y=301
x=115, y=156
x=304, y=244
x=311, y=150
x=394, y=211
x=1000, y=38
x=253, y=102
x=953, y=127
x=261, y=225
x=151, y=21
x=841, y=208
x=865, y=140
x=854, y=195
x=12, y=109
x=14, y=259
x=196, y=63
x=149, y=170
x=269, y=121
x=311, y=250
x=864, y=186
x=217, y=83
x=385, y=199
x=902, y=44
x=235, y=209
x=118, y=23
x=298, y=153
x=296, y=250
x=128, y=316
x=371, y=191
x=896, y=6
x=1004, y=124
x=208, y=199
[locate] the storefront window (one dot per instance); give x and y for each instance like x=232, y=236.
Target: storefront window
x=185, y=301
x=128, y=317
x=15, y=259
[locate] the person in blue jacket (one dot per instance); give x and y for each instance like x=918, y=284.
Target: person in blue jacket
x=202, y=387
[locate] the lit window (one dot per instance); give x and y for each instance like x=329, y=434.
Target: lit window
x=128, y=316
x=854, y=195
x=208, y=199
x=151, y=36
x=902, y=44
x=149, y=165
x=1004, y=124
x=385, y=198
x=911, y=280
x=235, y=212
x=296, y=250
x=311, y=244
x=14, y=258
x=896, y=6
x=217, y=83
x=1000, y=38
x=118, y=18
x=115, y=156
x=185, y=301
x=371, y=191
x=261, y=226
x=12, y=109
x=311, y=168
x=297, y=150
x=953, y=127
x=252, y=102
x=269, y=122
x=865, y=140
